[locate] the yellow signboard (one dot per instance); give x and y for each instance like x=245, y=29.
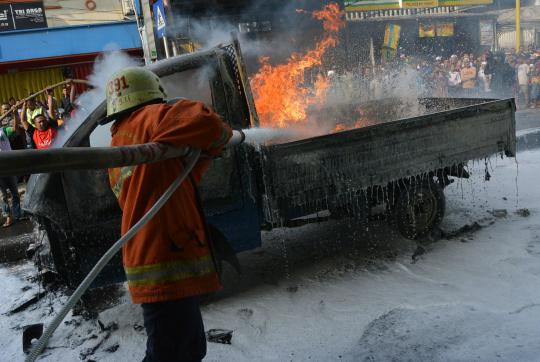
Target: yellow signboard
x=464, y=2
x=426, y=30
x=413, y=4
x=365, y=5
x=445, y=29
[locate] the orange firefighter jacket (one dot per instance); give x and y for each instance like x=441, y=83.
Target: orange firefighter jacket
x=169, y=258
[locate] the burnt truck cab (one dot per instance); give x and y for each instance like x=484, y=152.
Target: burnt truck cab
x=77, y=214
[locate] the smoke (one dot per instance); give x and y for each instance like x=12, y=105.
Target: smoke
x=191, y=84
x=351, y=100
x=205, y=34
x=399, y=84
x=354, y=101
x=104, y=67
x=264, y=29
x=292, y=31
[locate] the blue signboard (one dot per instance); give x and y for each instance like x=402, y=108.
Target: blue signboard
x=159, y=18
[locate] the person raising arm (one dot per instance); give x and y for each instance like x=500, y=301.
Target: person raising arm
x=43, y=133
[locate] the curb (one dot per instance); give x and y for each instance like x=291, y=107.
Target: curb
x=528, y=139
x=15, y=240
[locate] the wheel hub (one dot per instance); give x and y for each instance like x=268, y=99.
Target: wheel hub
x=422, y=210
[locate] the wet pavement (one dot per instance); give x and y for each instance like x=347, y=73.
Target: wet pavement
x=14, y=241
x=527, y=118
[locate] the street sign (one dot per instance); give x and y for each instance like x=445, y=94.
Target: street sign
x=159, y=19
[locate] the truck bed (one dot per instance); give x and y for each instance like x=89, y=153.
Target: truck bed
x=310, y=175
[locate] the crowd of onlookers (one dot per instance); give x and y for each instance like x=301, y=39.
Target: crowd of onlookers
x=501, y=74
x=32, y=123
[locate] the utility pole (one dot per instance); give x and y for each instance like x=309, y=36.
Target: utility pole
x=518, y=26
x=149, y=29
x=140, y=28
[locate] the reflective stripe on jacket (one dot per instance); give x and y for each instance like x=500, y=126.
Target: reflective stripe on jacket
x=169, y=258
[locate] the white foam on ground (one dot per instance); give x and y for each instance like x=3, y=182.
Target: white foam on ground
x=330, y=292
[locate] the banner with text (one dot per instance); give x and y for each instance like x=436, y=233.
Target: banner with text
x=20, y=16
x=414, y=4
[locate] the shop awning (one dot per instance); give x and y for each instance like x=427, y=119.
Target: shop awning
x=54, y=46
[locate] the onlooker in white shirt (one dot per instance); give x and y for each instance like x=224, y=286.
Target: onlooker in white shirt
x=523, y=80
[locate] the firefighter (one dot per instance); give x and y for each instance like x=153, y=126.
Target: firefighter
x=169, y=263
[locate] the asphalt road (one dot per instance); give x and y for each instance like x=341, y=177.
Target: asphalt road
x=15, y=240
x=529, y=118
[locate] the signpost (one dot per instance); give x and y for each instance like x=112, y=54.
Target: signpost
x=518, y=26
x=161, y=24
x=159, y=18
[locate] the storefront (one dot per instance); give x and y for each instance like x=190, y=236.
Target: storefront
x=40, y=53
x=69, y=52
x=422, y=32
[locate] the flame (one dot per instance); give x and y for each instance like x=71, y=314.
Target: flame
x=345, y=127
x=278, y=90
x=362, y=121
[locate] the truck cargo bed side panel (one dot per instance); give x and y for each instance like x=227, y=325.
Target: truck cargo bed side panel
x=308, y=175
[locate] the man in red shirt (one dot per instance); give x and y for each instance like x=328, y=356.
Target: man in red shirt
x=43, y=134
x=40, y=130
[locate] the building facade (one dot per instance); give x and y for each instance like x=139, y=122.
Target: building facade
x=45, y=42
x=424, y=28
x=530, y=28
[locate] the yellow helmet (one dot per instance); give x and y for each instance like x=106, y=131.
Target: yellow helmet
x=130, y=88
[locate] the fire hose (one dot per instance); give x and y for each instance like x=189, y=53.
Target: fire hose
x=193, y=156
x=23, y=162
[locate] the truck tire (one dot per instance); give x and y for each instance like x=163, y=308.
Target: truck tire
x=418, y=209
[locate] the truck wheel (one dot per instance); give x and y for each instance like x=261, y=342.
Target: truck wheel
x=419, y=209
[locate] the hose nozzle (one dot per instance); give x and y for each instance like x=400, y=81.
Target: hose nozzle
x=237, y=138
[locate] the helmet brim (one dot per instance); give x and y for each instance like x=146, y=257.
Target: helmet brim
x=122, y=114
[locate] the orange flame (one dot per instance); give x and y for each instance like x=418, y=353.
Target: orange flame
x=279, y=95
x=362, y=121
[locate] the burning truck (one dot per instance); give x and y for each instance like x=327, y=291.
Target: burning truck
x=339, y=160
x=403, y=164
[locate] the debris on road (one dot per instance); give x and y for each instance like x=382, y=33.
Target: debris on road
x=222, y=336
x=523, y=212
